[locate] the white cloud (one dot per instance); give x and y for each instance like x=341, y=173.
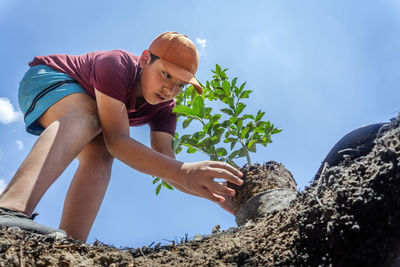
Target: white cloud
x=20, y=144
x=2, y=185
x=7, y=112
x=203, y=45
x=202, y=42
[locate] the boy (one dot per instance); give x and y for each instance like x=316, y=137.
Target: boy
x=82, y=107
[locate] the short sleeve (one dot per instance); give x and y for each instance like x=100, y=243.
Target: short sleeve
x=165, y=121
x=110, y=74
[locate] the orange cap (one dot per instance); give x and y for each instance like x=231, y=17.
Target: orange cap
x=179, y=56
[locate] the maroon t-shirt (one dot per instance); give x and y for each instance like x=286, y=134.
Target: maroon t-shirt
x=114, y=73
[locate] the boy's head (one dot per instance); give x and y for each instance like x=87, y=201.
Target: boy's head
x=168, y=65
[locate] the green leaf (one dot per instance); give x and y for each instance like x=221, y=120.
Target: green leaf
x=275, y=131
x=218, y=69
x=233, y=119
x=207, y=142
x=239, y=108
x=185, y=137
x=242, y=86
x=187, y=122
x=183, y=110
x=207, y=111
x=231, y=139
x=156, y=180
x=193, y=94
x=215, y=140
x=239, y=124
x=261, y=125
x=223, y=75
x=259, y=115
x=158, y=189
x=191, y=150
x=221, y=151
x=216, y=84
x=233, y=145
x=199, y=135
x=245, y=94
x=176, y=143
x=233, y=83
x=231, y=103
x=241, y=152
x=219, y=131
x=226, y=87
x=198, y=106
x=233, y=154
x=253, y=148
x=252, y=142
x=226, y=123
x=247, y=117
x=227, y=111
x=216, y=117
x=244, y=132
x=207, y=127
x=219, y=92
x=166, y=185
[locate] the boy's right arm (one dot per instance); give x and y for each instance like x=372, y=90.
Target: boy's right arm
x=197, y=177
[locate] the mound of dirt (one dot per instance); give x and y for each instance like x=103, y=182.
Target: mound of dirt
x=349, y=217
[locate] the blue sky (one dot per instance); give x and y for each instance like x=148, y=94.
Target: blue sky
x=318, y=68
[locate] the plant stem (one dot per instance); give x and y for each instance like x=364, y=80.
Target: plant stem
x=246, y=152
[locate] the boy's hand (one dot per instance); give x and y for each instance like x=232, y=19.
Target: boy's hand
x=227, y=204
x=198, y=177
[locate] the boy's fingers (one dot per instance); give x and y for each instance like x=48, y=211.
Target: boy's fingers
x=209, y=195
x=220, y=199
x=224, y=174
x=227, y=167
x=222, y=189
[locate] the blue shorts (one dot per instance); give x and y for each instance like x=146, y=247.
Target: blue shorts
x=39, y=89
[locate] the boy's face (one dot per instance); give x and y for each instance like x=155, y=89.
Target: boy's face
x=156, y=84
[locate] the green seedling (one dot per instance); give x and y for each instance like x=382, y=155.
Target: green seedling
x=223, y=131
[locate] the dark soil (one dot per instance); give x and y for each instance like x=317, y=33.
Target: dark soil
x=261, y=178
x=349, y=217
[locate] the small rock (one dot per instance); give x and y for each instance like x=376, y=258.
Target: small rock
x=249, y=224
x=216, y=229
x=198, y=238
x=57, y=235
x=14, y=229
x=355, y=228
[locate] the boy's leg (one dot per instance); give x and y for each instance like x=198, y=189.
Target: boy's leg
x=70, y=124
x=87, y=189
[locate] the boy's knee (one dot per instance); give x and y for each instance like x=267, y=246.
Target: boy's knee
x=96, y=153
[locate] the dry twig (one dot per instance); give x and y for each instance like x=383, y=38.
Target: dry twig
x=319, y=183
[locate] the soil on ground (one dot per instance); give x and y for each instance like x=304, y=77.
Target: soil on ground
x=349, y=217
